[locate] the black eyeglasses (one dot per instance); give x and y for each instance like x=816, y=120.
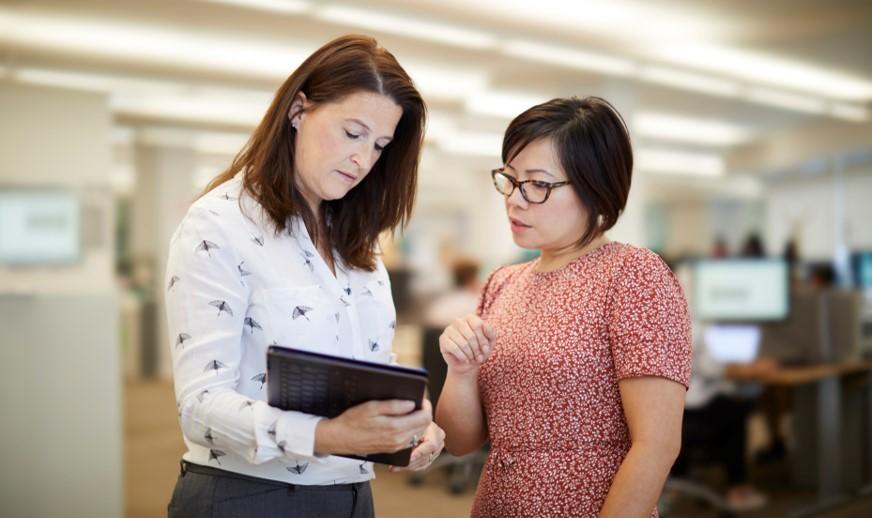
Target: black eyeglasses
x=534, y=191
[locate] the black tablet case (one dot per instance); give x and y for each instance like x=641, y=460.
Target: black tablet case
x=324, y=385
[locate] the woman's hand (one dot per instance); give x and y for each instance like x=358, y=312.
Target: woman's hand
x=430, y=447
x=373, y=427
x=466, y=344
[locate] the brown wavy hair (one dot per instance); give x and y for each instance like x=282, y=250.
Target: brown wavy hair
x=384, y=199
x=593, y=146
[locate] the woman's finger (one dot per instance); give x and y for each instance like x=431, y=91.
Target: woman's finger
x=460, y=340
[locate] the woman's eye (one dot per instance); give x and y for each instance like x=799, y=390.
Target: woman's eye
x=351, y=135
x=379, y=148
x=540, y=185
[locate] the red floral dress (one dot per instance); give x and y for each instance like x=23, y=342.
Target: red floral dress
x=550, y=389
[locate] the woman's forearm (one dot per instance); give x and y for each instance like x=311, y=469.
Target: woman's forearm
x=639, y=481
x=460, y=415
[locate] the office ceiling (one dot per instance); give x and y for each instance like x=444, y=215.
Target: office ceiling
x=698, y=78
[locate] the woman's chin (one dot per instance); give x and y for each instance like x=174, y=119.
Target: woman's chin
x=524, y=242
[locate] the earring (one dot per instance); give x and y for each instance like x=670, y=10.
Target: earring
x=294, y=124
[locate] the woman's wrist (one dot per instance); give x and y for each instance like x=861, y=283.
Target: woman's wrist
x=469, y=377
x=326, y=437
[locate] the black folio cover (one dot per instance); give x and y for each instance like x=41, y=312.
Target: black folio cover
x=324, y=385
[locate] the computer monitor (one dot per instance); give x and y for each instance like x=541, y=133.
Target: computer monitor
x=39, y=226
x=862, y=263
x=741, y=290
x=732, y=343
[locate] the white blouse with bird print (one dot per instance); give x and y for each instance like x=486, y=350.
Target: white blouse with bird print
x=234, y=288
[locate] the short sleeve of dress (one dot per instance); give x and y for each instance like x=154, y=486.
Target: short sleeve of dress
x=649, y=321
x=489, y=291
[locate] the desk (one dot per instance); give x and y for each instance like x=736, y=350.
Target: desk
x=818, y=399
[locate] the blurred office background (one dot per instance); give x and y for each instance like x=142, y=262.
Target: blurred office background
x=748, y=119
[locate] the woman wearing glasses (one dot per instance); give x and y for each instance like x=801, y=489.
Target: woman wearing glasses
x=575, y=365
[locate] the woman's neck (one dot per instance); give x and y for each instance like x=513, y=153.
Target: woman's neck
x=553, y=259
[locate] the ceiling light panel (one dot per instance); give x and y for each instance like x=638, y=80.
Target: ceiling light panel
x=786, y=100
x=474, y=144
x=448, y=34
x=151, y=45
x=668, y=161
x=502, y=104
x=569, y=57
x=688, y=81
x=767, y=69
x=678, y=128
x=274, y=6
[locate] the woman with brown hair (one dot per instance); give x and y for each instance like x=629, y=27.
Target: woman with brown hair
x=282, y=249
x=575, y=365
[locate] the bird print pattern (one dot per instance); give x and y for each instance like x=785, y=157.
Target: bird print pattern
x=298, y=468
x=216, y=244
x=222, y=306
x=181, y=339
x=252, y=324
x=300, y=311
x=207, y=246
x=260, y=378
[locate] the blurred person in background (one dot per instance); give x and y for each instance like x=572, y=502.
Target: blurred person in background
x=774, y=401
x=461, y=300
x=715, y=419
x=720, y=249
x=281, y=249
x=575, y=364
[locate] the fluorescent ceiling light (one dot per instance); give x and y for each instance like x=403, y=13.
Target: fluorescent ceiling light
x=207, y=142
x=196, y=108
x=406, y=26
x=851, y=112
x=688, y=80
x=569, y=57
x=767, y=69
x=686, y=129
x=633, y=21
x=502, y=104
x=474, y=143
x=276, y=6
x=787, y=100
x=668, y=161
x=162, y=99
x=445, y=83
x=91, y=82
x=149, y=45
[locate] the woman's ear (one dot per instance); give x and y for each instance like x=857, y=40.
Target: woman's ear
x=297, y=109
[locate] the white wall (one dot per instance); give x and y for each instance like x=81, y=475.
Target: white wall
x=806, y=207
x=59, y=138
x=59, y=348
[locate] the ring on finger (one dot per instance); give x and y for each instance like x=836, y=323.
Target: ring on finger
x=415, y=441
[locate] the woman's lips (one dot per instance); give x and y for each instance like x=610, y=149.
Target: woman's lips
x=350, y=178
x=517, y=226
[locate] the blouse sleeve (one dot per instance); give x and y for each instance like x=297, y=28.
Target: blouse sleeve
x=206, y=310
x=649, y=321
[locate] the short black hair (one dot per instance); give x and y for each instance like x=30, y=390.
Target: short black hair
x=593, y=146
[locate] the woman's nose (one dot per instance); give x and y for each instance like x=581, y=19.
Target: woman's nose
x=516, y=199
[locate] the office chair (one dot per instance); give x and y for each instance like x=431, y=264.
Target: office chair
x=697, y=443
x=463, y=471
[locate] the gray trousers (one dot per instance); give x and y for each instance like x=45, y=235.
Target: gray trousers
x=205, y=492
